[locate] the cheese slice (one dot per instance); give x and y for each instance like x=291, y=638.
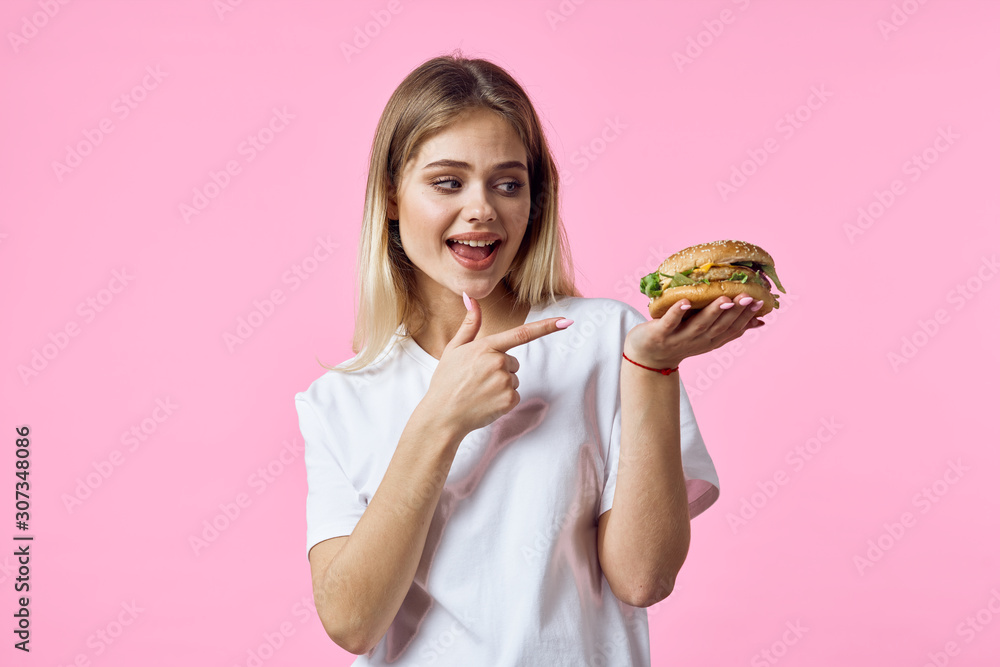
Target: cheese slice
x=705, y=267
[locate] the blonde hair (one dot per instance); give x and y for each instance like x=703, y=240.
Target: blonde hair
x=426, y=102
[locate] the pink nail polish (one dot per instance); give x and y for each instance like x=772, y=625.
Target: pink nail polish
x=746, y=300
x=757, y=305
x=727, y=306
x=563, y=323
x=465, y=298
x=685, y=306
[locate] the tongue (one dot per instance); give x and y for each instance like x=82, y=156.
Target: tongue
x=469, y=252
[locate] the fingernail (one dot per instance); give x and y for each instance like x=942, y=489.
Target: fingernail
x=727, y=305
x=465, y=298
x=746, y=300
x=563, y=323
x=757, y=305
x=685, y=306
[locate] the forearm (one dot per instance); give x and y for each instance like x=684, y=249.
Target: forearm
x=649, y=529
x=364, y=585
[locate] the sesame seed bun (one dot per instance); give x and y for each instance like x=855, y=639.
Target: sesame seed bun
x=717, y=252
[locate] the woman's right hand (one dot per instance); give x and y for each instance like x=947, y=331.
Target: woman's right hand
x=475, y=382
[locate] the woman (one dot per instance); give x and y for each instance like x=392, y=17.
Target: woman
x=463, y=465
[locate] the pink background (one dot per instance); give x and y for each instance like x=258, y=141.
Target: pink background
x=663, y=133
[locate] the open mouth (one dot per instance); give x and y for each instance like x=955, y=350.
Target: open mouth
x=474, y=251
x=475, y=255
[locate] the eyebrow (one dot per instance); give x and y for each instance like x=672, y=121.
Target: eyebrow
x=457, y=164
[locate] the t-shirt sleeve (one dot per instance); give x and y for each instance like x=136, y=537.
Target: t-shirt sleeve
x=333, y=505
x=699, y=471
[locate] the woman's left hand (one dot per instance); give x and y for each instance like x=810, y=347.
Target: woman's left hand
x=663, y=342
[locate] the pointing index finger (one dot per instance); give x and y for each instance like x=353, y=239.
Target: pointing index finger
x=526, y=333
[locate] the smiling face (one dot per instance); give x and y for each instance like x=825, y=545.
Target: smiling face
x=468, y=182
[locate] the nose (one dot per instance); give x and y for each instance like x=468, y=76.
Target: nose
x=478, y=207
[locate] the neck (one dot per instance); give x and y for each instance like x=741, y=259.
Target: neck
x=446, y=313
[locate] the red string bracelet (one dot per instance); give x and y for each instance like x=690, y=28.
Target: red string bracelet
x=665, y=371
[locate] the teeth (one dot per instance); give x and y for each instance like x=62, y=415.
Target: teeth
x=476, y=244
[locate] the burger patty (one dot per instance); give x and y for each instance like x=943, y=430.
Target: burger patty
x=719, y=272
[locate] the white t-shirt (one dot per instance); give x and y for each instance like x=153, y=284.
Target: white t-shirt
x=509, y=575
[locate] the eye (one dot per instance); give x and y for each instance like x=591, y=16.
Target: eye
x=517, y=185
x=437, y=184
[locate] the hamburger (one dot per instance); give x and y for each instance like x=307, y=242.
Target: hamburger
x=704, y=272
